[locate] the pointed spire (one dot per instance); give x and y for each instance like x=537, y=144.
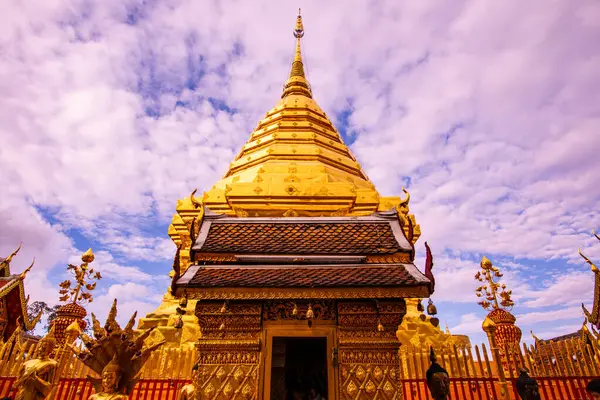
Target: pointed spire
x=297, y=83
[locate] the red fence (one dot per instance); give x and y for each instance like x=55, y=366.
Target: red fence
x=81, y=389
x=551, y=388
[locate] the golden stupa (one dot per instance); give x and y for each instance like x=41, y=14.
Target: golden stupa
x=295, y=164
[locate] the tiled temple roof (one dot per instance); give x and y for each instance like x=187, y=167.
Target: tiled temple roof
x=303, y=276
x=377, y=234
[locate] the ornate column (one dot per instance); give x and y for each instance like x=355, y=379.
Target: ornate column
x=489, y=327
x=229, y=350
x=368, y=349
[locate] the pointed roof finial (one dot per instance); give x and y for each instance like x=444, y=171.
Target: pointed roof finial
x=297, y=83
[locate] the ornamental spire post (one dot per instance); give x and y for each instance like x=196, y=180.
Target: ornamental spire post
x=496, y=298
x=75, y=293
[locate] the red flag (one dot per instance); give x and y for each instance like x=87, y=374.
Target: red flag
x=429, y=267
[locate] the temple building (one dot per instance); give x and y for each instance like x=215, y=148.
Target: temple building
x=13, y=302
x=293, y=262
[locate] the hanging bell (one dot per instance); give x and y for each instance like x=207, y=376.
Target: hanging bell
x=380, y=327
x=224, y=308
x=295, y=311
x=431, y=308
x=178, y=324
x=420, y=307
x=310, y=314
x=222, y=326
x=183, y=302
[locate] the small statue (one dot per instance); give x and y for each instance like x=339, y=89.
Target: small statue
x=188, y=392
x=36, y=377
x=111, y=377
x=438, y=380
x=527, y=387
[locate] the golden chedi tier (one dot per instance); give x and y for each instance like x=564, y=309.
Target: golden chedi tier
x=294, y=165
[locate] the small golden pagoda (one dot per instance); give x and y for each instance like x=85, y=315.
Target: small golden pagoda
x=291, y=263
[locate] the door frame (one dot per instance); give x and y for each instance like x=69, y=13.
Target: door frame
x=300, y=329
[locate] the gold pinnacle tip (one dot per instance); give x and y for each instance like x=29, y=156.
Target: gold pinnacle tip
x=486, y=263
x=88, y=256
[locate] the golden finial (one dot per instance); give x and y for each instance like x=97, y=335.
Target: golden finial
x=5, y=263
x=488, y=325
x=24, y=273
x=299, y=29
x=83, y=275
x=14, y=253
x=404, y=203
x=88, y=256
x=491, y=289
x=195, y=202
x=297, y=83
x=587, y=260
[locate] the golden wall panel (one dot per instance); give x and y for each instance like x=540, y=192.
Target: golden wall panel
x=368, y=349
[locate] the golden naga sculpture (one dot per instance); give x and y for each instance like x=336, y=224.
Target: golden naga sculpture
x=594, y=316
x=497, y=300
x=36, y=377
x=116, y=355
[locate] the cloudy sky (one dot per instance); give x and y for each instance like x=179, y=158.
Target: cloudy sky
x=487, y=112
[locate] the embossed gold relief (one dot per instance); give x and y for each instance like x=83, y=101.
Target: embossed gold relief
x=368, y=357
x=229, y=350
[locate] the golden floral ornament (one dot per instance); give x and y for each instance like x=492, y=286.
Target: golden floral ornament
x=351, y=389
x=491, y=290
x=81, y=292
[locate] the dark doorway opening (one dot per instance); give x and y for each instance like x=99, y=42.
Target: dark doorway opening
x=299, y=368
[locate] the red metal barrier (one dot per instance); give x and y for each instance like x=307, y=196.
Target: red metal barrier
x=560, y=387
x=81, y=389
x=551, y=388
x=460, y=388
x=6, y=384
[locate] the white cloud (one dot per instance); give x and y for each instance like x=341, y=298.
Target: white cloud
x=106, y=265
x=468, y=324
x=531, y=318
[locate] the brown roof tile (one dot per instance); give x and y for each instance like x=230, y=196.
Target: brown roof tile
x=313, y=276
x=301, y=238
